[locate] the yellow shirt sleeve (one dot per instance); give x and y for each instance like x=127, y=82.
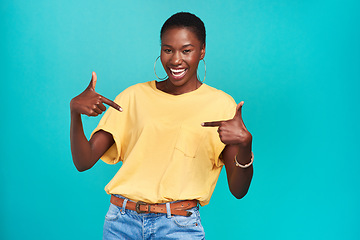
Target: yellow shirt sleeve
x=229, y=112
x=117, y=124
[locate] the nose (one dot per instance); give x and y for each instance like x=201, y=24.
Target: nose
x=176, y=59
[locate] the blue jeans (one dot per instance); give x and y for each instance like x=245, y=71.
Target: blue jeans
x=121, y=223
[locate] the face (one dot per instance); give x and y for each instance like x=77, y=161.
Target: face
x=181, y=52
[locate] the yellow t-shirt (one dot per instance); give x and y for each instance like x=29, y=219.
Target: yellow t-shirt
x=167, y=155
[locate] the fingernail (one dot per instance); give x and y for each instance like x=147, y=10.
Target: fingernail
x=120, y=109
x=202, y=124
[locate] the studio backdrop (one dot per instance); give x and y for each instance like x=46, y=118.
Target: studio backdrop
x=295, y=64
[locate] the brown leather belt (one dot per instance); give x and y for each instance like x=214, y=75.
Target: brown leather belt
x=176, y=208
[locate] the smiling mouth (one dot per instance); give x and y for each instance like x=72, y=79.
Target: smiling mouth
x=178, y=73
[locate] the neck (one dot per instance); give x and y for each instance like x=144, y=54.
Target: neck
x=170, y=88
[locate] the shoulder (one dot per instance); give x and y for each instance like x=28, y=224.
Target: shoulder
x=218, y=94
x=220, y=100
x=135, y=90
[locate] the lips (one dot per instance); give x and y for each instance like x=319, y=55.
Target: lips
x=178, y=73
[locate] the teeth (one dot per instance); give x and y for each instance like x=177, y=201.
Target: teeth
x=178, y=72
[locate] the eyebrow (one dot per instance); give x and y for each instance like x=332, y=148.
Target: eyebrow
x=185, y=46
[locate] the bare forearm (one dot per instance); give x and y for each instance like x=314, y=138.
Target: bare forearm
x=239, y=179
x=80, y=146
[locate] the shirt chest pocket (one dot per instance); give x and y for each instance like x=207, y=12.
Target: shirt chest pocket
x=189, y=141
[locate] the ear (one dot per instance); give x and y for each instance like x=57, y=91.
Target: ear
x=202, y=52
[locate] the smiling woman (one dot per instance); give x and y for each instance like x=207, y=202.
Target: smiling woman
x=181, y=52
x=171, y=157
x=182, y=47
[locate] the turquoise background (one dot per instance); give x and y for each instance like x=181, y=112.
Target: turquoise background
x=296, y=64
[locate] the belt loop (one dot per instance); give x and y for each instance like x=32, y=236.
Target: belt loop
x=124, y=206
x=168, y=210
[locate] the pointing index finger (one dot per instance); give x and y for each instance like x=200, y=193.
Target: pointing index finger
x=111, y=103
x=212, y=124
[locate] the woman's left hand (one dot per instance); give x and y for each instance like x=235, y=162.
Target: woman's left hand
x=232, y=131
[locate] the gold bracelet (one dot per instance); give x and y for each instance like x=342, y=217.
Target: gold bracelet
x=246, y=165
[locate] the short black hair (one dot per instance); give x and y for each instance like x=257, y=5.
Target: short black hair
x=186, y=20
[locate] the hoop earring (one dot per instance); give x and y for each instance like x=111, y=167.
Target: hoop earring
x=205, y=72
x=155, y=70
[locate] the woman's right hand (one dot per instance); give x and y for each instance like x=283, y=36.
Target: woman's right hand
x=90, y=102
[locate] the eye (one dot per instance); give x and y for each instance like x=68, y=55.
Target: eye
x=167, y=50
x=186, y=51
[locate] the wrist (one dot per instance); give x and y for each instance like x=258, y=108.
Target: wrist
x=74, y=114
x=73, y=108
x=242, y=165
x=244, y=154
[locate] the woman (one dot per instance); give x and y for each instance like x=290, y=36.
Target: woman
x=172, y=139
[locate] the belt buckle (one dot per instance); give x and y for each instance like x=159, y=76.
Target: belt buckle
x=137, y=207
